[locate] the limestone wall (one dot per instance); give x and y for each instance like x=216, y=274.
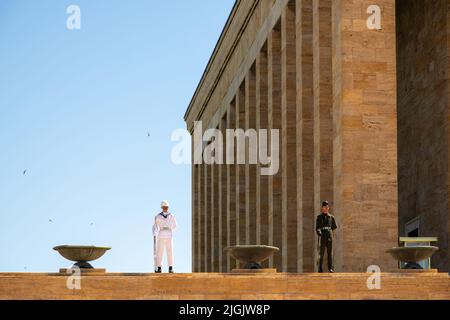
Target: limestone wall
x=423, y=120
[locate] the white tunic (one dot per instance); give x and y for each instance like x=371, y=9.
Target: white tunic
x=164, y=227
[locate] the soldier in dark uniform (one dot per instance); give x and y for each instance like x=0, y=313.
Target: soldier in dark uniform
x=325, y=225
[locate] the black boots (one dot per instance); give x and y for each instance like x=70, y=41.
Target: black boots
x=330, y=270
x=159, y=270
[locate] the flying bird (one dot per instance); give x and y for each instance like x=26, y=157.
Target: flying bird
x=148, y=134
x=24, y=172
x=50, y=220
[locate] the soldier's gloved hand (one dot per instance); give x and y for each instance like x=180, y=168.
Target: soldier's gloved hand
x=319, y=233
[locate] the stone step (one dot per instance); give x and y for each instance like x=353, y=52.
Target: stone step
x=126, y=286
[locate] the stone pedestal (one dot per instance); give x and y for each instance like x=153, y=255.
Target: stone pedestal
x=83, y=271
x=253, y=271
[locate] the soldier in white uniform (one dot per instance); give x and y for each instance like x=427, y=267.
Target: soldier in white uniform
x=165, y=224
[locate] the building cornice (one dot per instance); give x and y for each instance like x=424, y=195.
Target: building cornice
x=238, y=19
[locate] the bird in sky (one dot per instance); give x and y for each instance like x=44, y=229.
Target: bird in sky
x=24, y=172
x=50, y=220
x=148, y=134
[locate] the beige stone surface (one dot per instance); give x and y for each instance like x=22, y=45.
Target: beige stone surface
x=365, y=137
x=223, y=206
x=241, y=217
x=262, y=122
x=275, y=181
x=215, y=245
x=231, y=193
x=290, y=210
x=201, y=286
x=250, y=169
x=305, y=137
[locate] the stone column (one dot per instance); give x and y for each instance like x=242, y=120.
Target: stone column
x=201, y=222
x=211, y=217
x=444, y=264
x=289, y=131
x=262, y=122
x=207, y=219
x=231, y=189
x=250, y=168
x=240, y=172
x=195, y=206
x=198, y=229
x=323, y=120
x=306, y=241
x=215, y=217
x=194, y=182
x=365, y=137
x=223, y=198
x=274, y=105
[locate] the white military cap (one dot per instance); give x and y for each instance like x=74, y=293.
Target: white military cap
x=165, y=203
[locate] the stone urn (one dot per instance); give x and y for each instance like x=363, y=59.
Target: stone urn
x=82, y=255
x=251, y=255
x=412, y=255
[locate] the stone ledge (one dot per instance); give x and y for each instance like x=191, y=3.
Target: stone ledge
x=402, y=273
x=202, y=286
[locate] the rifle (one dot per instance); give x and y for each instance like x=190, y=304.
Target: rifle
x=318, y=253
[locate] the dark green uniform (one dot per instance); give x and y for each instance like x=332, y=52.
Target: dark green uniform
x=325, y=224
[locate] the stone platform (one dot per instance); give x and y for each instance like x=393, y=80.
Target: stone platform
x=202, y=286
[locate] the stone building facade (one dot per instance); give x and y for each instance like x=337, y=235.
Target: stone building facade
x=325, y=74
x=423, y=41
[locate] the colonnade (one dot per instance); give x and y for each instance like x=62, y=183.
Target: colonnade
x=313, y=77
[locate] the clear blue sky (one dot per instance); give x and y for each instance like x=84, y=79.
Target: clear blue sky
x=75, y=109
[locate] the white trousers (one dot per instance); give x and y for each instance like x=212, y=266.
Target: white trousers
x=161, y=245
